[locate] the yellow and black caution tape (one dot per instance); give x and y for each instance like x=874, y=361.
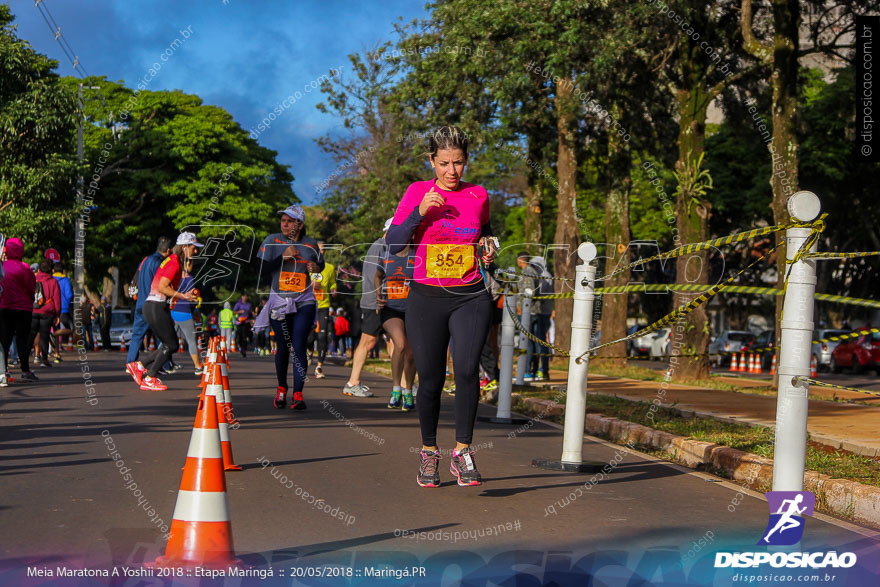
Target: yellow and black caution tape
x=842, y=255
x=532, y=337
x=816, y=225
x=505, y=273
x=848, y=300
x=797, y=378
x=685, y=309
x=690, y=287
x=854, y=334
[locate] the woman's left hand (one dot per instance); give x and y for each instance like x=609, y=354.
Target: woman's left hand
x=489, y=251
x=312, y=267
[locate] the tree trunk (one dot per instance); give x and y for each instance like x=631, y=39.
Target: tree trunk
x=691, y=335
x=565, y=258
x=784, y=148
x=617, y=235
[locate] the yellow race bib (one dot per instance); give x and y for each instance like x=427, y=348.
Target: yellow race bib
x=449, y=261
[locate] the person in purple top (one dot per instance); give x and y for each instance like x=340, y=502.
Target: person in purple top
x=242, y=310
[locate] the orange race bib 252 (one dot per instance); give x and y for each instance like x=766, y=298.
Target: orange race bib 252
x=292, y=282
x=449, y=261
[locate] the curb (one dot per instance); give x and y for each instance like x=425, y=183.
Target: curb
x=847, y=499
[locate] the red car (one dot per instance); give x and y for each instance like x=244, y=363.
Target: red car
x=859, y=353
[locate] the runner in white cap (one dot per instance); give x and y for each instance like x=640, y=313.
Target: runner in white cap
x=157, y=313
x=288, y=259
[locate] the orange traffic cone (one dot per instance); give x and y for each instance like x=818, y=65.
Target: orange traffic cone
x=742, y=363
x=223, y=361
x=773, y=365
x=201, y=534
x=70, y=344
x=215, y=388
x=122, y=348
x=233, y=345
x=751, y=363
x=733, y=360
x=152, y=344
x=210, y=361
x=813, y=366
x=759, y=369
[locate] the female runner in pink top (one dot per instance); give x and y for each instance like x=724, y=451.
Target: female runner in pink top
x=447, y=220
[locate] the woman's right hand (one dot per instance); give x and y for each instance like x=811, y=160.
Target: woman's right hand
x=289, y=253
x=431, y=200
x=191, y=295
x=380, y=300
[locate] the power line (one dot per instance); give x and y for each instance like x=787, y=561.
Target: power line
x=78, y=67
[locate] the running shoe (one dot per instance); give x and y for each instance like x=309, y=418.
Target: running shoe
x=429, y=468
x=319, y=373
x=408, y=402
x=29, y=376
x=153, y=384
x=450, y=389
x=464, y=467
x=529, y=377
x=280, y=398
x=298, y=403
x=395, y=401
x=484, y=381
x=136, y=370
x=175, y=367
x=198, y=372
x=491, y=385
x=3, y=381
x=357, y=390
x=44, y=363
x=57, y=359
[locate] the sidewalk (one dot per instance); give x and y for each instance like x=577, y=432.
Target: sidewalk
x=851, y=427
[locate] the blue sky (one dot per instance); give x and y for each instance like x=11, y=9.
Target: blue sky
x=244, y=55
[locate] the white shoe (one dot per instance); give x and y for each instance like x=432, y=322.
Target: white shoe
x=3, y=381
x=319, y=373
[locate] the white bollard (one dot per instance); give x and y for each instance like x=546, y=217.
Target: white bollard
x=576, y=391
x=526, y=321
x=505, y=372
x=790, y=448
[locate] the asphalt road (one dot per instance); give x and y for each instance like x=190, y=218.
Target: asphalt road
x=64, y=501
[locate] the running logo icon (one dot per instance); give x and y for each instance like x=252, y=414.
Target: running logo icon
x=787, y=517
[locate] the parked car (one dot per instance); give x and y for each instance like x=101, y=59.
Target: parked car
x=640, y=346
x=765, y=344
x=661, y=343
x=729, y=341
x=120, y=327
x=859, y=353
x=630, y=344
x=822, y=350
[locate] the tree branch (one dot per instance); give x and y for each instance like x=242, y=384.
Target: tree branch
x=135, y=211
x=761, y=50
x=719, y=87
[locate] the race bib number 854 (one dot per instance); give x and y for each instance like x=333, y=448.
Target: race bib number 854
x=449, y=261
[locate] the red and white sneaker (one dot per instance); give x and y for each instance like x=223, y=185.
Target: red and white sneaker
x=280, y=398
x=153, y=384
x=137, y=371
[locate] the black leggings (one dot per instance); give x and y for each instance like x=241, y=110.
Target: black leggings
x=323, y=342
x=291, y=334
x=158, y=316
x=41, y=324
x=430, y=321
x=16, y=323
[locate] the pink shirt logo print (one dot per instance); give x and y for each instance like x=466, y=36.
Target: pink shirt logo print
x=445, y=240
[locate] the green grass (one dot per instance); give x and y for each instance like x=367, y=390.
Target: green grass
x=753, y=439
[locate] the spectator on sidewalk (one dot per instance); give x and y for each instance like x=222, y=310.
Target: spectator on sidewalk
x=16, y=307
x=46, y=309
